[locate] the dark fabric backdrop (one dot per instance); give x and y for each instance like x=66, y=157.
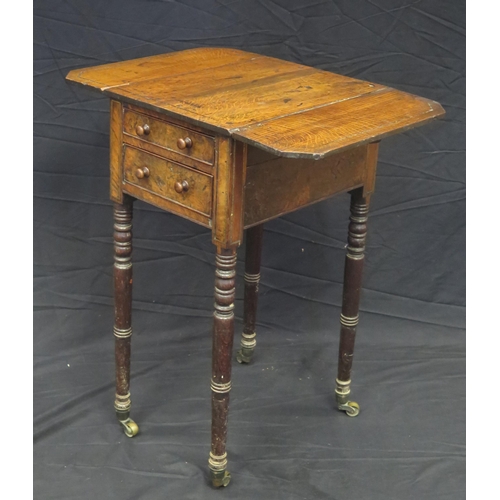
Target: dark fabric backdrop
x=286, y=440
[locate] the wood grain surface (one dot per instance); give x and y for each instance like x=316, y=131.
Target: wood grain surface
x=285, y=108
x=342, y=125
x=227, y=230
x=110, y=75
x=238, y=105
x=371, y=169
x=115, y=151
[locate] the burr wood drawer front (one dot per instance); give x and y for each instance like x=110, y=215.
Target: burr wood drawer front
x=184, y=186
x=172, y=137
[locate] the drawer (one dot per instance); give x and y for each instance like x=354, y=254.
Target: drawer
x=175, y=138
x=169, y=180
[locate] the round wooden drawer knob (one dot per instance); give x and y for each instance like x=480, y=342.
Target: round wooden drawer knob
x=142, y=129
x=142, y=172
x=181, y=187
x=184, y=143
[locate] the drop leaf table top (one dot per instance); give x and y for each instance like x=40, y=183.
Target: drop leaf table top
x=282, y=107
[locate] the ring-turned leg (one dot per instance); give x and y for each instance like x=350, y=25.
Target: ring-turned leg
x=222, y=346
x=123, y=312
x=350, y=300
x=253, y=255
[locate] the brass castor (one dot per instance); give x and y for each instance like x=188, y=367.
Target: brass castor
x=220, y=478
x=244, y=356
x=130, y=428
x=351, y=408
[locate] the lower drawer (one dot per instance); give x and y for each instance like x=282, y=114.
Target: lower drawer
x=169, y=180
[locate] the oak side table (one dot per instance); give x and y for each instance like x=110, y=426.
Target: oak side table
x=229, y=140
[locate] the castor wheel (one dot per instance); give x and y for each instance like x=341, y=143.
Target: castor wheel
x=351, y=408
x=130, y=428
x=220, y=478
x=242, y=357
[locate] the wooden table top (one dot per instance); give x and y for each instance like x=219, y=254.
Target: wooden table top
x=285, y=108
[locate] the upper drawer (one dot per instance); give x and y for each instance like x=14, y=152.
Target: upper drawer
x=167, y=135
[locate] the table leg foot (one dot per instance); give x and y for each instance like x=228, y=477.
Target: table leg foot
x=342, y=393
x=220, y=478
x=244, y=356
x=130, y=428
x=351, y=408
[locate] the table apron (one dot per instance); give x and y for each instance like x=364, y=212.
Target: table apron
x=279, y=185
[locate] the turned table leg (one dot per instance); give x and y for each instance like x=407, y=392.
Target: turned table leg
x=350, y=300
x=123, y=312
x=252, y=276
x=222, y=345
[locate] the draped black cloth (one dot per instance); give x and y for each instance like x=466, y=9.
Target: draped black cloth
x=286, y=439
